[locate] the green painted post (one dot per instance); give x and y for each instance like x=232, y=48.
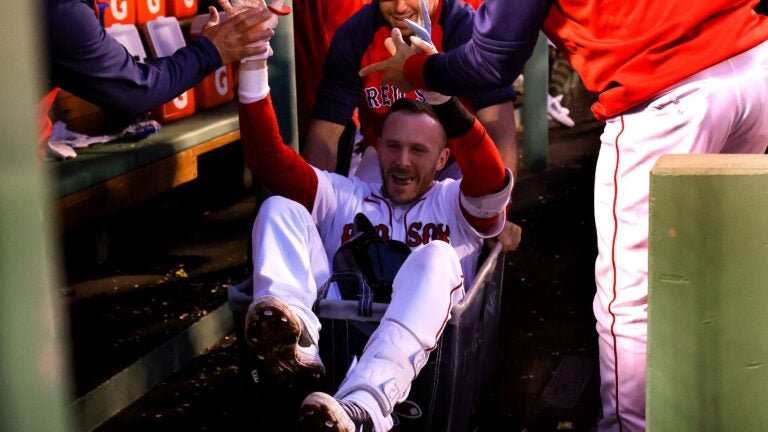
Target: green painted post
x=708, y=302
x=35, y=395
x=536, y=88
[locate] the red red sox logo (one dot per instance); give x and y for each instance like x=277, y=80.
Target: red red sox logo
x=386, y=95
x=418, y=233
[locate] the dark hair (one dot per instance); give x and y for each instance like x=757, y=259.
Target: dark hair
x=412, y=106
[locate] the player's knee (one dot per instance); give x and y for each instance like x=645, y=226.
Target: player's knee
x=278, y=204
x=436, y=255
x=434, y=266
x=276, y=209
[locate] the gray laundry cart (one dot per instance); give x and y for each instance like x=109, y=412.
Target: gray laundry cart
x=451, y=392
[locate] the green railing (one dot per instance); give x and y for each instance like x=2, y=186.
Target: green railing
x=708, y=294
x=535, y=128
x=33, y=365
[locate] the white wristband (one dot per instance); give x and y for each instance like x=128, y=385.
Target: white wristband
x=254, y=85
x=488, y=205
x=264, y=55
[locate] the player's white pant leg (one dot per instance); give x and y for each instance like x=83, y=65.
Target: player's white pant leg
x=425, y=289
x=748, y=74
x=289, y=260
x=721, y=109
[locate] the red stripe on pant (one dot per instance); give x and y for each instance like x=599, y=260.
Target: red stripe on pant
x=613, y=263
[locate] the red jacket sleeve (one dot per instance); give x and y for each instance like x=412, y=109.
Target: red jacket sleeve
x=271, y=162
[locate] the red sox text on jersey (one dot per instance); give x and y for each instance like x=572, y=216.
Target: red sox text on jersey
x=418, y=233
x=385, y=95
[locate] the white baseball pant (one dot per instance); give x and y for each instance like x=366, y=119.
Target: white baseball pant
x=290, y=263
x=722, y=109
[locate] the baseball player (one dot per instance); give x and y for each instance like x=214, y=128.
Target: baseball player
x=314, y=23
x=360, y=42
x=297, y=232
x=672, y=77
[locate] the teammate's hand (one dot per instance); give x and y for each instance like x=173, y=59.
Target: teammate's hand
x=432, y=97
x=393, y=66
x=234, y=38
x=510, y=237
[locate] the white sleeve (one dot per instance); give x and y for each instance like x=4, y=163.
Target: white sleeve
x=253, y=85
x=489, y=205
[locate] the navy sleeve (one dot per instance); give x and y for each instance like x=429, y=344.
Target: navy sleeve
x=504, y=34
x=339, y=92
x=87, y=62
x=457, y=19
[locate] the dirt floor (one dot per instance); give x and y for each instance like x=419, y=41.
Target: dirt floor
x=137, y=279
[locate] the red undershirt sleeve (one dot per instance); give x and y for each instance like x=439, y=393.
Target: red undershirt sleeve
x=413, y=70
x=271, y=162
x=482, y=168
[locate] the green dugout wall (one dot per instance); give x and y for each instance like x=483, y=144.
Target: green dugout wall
x=33, y=371
x=708, y=294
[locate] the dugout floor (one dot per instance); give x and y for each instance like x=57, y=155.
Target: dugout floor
x=135, y=280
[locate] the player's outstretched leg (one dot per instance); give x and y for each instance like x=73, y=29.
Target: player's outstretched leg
x=321, y=412
x=277, y=341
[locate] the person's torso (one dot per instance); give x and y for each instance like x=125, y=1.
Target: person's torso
x=377, y=97
x=631, y=51
x=436, y=216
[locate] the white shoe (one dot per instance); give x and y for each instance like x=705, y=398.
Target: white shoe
x=558, y=112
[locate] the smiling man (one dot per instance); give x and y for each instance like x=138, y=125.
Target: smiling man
x=411, y=150
x=360, y=42
x=297, y=233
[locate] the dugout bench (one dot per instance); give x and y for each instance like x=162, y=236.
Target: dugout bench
x=105, y=179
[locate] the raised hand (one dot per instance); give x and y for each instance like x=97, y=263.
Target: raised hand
x=393, y=66
x=235, y=37
x=421, y=42
x=254, y=46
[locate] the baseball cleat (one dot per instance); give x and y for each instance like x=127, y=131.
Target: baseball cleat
x=558, y=112
x=274, y=335
x=322, y=412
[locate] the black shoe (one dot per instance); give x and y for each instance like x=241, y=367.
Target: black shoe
x=321, y=412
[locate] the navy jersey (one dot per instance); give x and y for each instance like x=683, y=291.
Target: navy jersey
x=360, y=42
x=84, y=60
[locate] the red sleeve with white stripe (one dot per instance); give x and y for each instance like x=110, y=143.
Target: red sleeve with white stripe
x=482, y=169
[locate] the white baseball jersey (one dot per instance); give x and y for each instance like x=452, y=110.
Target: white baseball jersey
x=436, y=215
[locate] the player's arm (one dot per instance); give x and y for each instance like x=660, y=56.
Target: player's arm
x=322, y=145
x=89, y=63
x=504, y=34
x=271, y=162
x=486, y=184
x=499, y=121
x=337, y=97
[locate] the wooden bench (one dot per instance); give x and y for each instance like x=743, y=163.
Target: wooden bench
x=107, y=178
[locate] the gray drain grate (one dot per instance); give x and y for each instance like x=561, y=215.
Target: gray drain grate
x=565, y=387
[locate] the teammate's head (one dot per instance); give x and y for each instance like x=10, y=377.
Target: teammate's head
x=396, y=11
x=412, y=148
